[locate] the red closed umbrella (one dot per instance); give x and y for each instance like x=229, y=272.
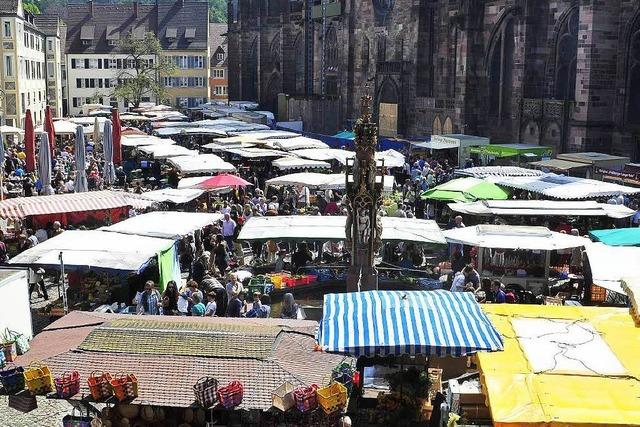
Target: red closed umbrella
x=117, y=136
x=48, y=127
x=224, y=180
x=29, y=142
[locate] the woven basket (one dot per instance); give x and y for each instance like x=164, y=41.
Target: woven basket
x=332, y=397
x=100, y=385
x=67, y=385
x=206, y=391
x=38, y=378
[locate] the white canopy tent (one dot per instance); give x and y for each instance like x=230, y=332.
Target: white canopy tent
x=142, y=140
x=94, y=249
x=333, y=228
x=176, y=130
x=296, y=143
x=541, y=208
x=610, y=264
x=61, y=127
x=173, y=195
x=564, y=187
x=485, y=171
x=325, y=154
x=203, y=163
x=165, y=225
x=255, y=153
x=513, y=237
x=164, y=151
x=263, y=135
x=322, y=181
x=215, y=147
x=289, y=163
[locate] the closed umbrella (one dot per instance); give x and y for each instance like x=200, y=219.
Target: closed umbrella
x=116, y=136
x=96, y=131
x=80, y=184
x=107, y=144
x=1, y=166
x=44, y=164
x=29, y=142
x=49, y=128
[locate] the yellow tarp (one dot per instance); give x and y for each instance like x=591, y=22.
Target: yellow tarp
x=519, y=397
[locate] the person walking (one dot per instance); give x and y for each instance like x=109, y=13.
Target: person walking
x=228, y=230
x=150, y=301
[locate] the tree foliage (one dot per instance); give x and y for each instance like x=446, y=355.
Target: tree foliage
x=145, y=69
x=32, y=6
x=217, y=10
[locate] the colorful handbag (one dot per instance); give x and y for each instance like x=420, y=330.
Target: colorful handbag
x=73, y=420
x=344, y=373
x=125, y=386
x=12, y=378
x=22, y=343
x=305, y=398
x=231, y=395
x=282, y=397
x=332, y=397
x=99, y=385
x=68, y=384
x=206, y=391
x=38, y=378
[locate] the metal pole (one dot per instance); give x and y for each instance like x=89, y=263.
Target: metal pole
x=65, y=302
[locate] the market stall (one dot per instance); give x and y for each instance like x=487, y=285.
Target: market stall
x=295, y=143
x=564, y=167
x=509, y=154
x=610, y=264
x=165, y=225
x=497, y=171
x=164, y=151
x=141, y=140
x=455, y=146
x=565, y=187
x=177, y=196
x=333, y=228
x=562, y=366
x=203, y=163
x=596, y=162
x=516, y=254
x=322, y=181
x=542, y=208
x=290, y=163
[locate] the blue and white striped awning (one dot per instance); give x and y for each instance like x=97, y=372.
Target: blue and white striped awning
x=405, y=322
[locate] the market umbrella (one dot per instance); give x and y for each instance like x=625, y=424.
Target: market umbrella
x=49, y=128
x=107, y=145
x=116, y=135
x=80, y=184
x=224, y=180
x=44, y=164
x=96, y=131
x=466, y=190
x=29, y=142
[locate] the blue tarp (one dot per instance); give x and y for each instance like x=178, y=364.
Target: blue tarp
x=405, y=322
x=617, y=236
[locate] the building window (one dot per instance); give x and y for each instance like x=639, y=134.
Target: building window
x=113, y=42
x=220, y=56
x=7, y=29
x=50, y=45
x=8, y=66
x=221, y=90
x=218, y=73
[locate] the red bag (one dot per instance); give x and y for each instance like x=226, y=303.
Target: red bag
x=125, y=386
x=100, y=385
x=305, y=398
x=231, y=395
x=68, y=384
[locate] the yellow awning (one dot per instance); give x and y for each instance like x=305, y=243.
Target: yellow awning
x=518, y=396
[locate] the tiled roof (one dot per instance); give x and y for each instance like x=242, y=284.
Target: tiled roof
x=161, y=336
x=185, y=18
x=8, y=6
x=216, y=36
x=48, y=24
x=167, y=377
x=168, y=381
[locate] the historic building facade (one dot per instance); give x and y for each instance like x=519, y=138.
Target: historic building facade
x=564, y=73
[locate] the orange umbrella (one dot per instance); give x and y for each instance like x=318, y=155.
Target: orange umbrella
x=29, y=142
x=48, y=126
x=116, y=134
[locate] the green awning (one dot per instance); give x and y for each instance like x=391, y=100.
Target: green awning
x=466, y=190
x=510, y=150
x=617, y=236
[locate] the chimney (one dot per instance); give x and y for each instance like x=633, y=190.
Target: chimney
x=135, y=9
x=91, y=8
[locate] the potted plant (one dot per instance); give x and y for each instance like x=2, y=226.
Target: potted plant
x=8, y=345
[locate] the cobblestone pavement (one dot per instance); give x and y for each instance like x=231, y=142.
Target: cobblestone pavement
x=49, y=413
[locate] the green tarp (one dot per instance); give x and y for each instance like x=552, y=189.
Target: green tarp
x=617, y=236
x=167, y=264
x=510, y=150
x=466, y=190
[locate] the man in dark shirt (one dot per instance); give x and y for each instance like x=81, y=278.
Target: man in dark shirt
x=235, y=306
x=499, y=297
x=302, y=256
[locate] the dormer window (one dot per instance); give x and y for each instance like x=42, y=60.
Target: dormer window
x=171, y=34
x=190, y=33
x=113, y=35
x=87, y=34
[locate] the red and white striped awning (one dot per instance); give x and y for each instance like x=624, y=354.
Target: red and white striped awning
x=23, y=207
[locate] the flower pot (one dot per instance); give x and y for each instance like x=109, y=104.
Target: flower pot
x=10, y=351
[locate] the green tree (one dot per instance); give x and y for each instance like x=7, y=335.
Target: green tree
x=217, y=10
x=32, y=6
x=145, y=69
